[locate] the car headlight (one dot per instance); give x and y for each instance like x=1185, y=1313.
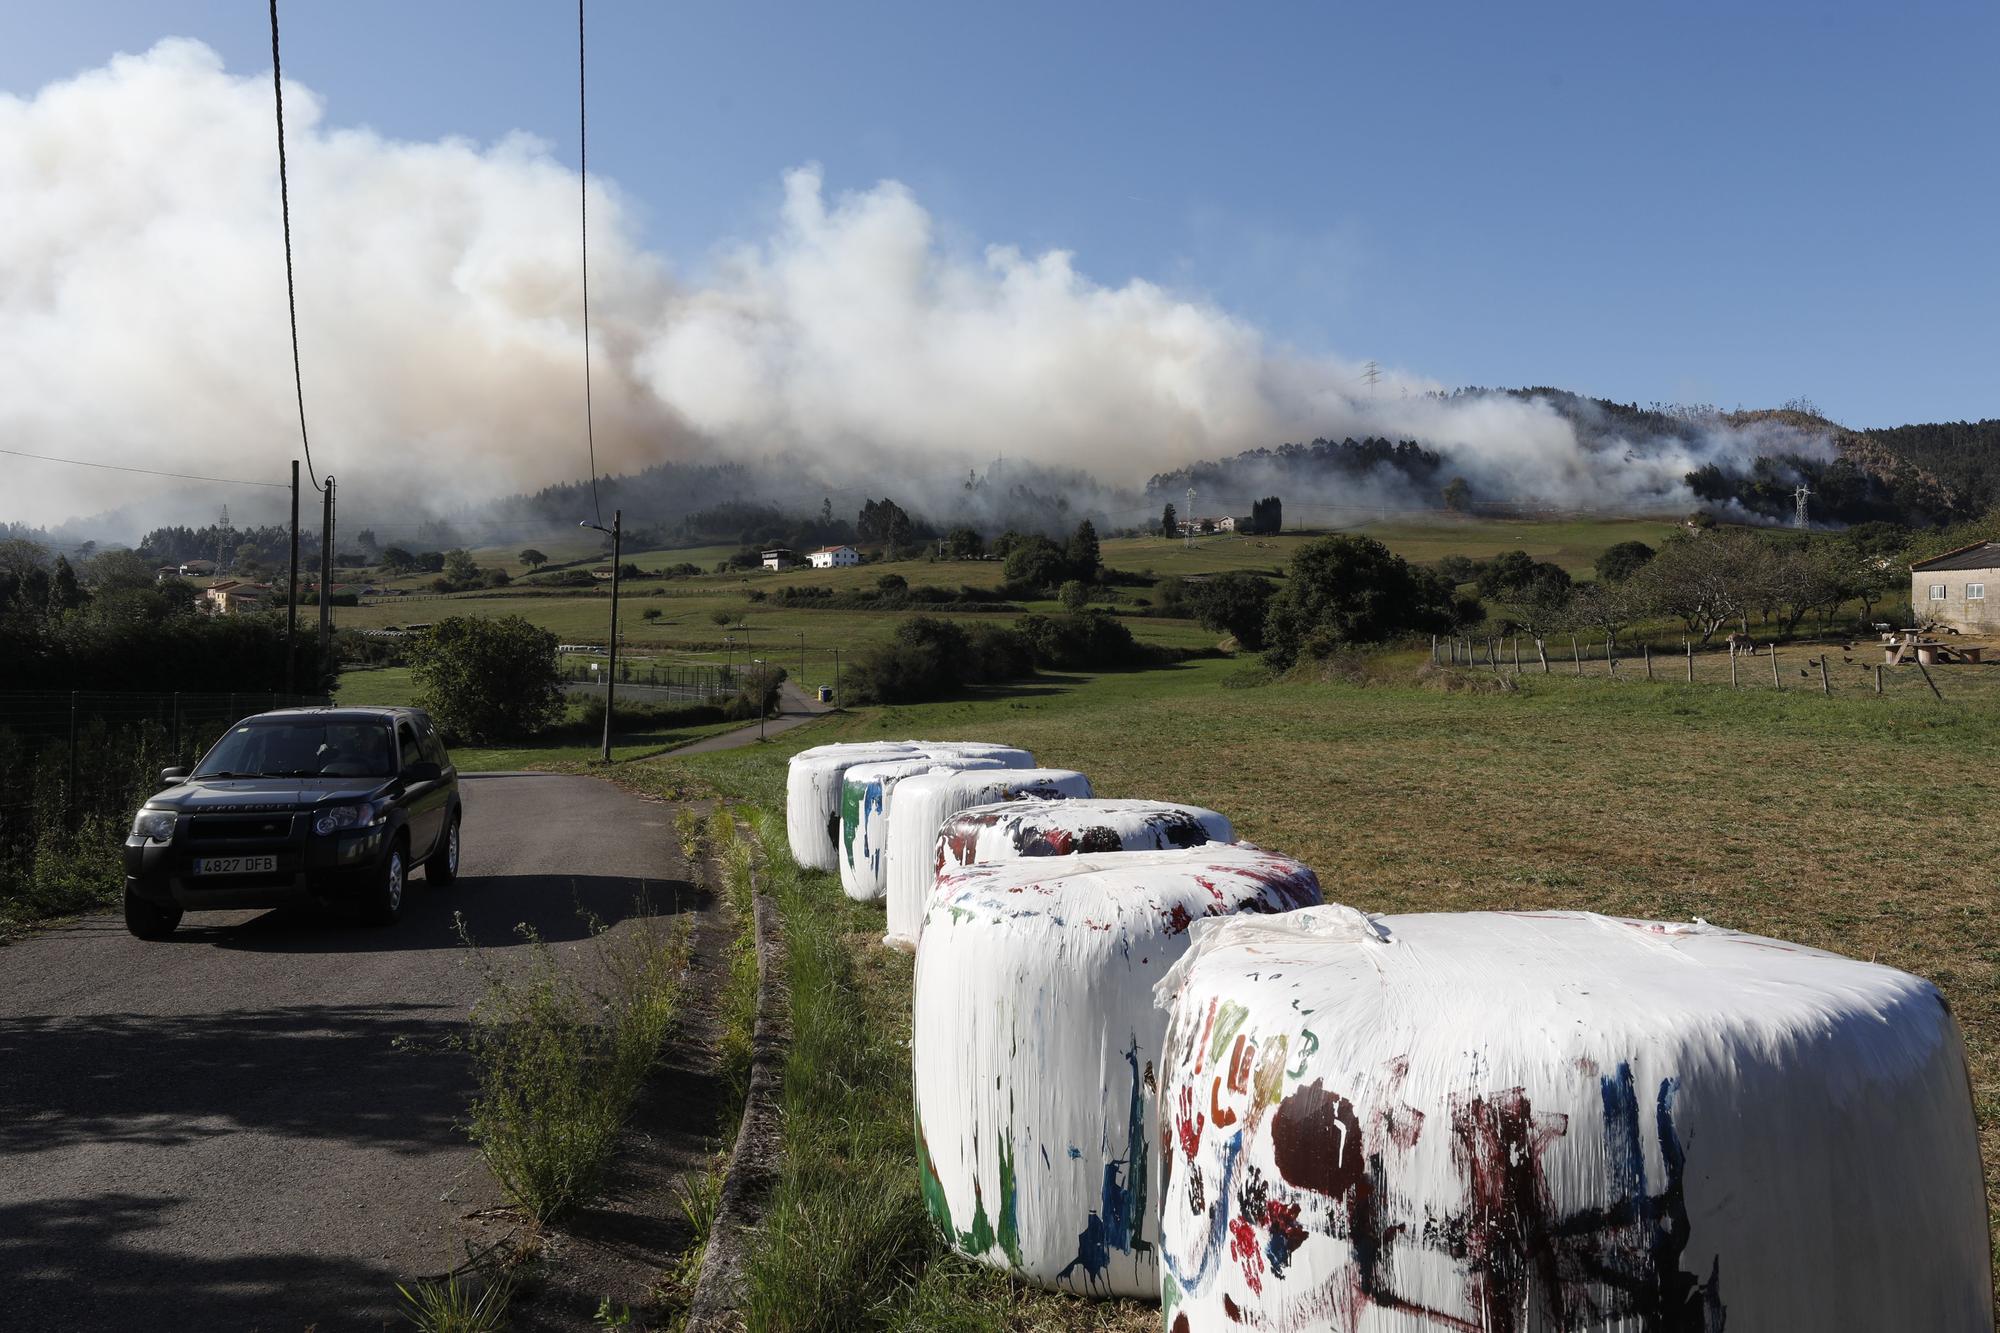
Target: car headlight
x=334, y=818
x=153, y=826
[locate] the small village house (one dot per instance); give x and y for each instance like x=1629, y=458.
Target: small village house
x=1950, y=589
x=781, y=557
x=197, y=569
x=834, y=557
x=231, y=597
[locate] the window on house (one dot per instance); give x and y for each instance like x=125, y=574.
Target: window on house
x=1937, y=592
x=1975, y=592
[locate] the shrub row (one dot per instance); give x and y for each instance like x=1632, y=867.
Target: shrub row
x=930, y=658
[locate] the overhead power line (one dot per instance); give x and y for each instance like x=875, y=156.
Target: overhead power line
x=146, y=471
x=583, y=201
x=285, y=208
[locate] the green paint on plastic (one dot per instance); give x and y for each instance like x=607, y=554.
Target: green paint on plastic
x=1229, y=1020
x=932, y=1187
x=1010, y=1221
x=851, y=794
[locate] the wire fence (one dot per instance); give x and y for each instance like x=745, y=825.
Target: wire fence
x=700, y=683
x=1833, y=667
x=75, y=765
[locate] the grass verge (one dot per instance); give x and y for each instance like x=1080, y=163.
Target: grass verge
x=560, y=1063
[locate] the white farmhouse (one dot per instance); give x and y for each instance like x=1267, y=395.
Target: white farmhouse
x=1950, y=589
x=834, y=557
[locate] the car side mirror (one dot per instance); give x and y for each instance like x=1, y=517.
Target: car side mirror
x=169, y=776
x=422, y=771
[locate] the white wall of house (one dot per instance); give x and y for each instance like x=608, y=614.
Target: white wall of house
x=1957, y=597
x=836, y=557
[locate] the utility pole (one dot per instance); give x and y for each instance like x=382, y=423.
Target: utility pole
x=836, y=676
x=292, y=594
x=1799, y=518
x=325, y=580
x=1189, y=521
x=802, y=659
x=221, y=536
x=1371, y=374
x=617, y=534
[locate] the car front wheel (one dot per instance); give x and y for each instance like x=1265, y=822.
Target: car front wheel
x=149, y=920
x=442, y=868
x=387, y=901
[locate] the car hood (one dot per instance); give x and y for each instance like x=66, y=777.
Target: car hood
x=248, y=795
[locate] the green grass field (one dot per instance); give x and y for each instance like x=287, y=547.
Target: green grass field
x=1839, y=822
x=686, y=626
x=1854, y=823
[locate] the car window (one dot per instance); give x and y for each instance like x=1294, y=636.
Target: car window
x=411, y=754
x=302, y=747
x=433, y=745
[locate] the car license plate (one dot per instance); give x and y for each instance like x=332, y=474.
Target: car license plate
x=235, y=865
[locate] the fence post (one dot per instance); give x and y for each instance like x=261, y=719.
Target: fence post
x=1492, y=657
x=1824, y=687
x=1776, y=682
x=69, y=791
x=1690, y=649
x=1732, y=667
x=1434, y=650
x=1647, y=650
x=1576, y=653
x=1927, y=679
x=1878, y=678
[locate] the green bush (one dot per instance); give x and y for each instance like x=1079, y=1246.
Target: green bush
x=1351, y=590
x=925, y=660
x=484, y=680
x=1088, y=641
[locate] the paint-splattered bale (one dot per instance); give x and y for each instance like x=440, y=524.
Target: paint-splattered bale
x=867, y=808
x=813, y=787
x=812, y=796
x=925, y=802
x=1015, y=829
x=1560, y=1121
x=1035, y=1042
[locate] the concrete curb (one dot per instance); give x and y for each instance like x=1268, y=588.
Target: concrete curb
x=753, y=1162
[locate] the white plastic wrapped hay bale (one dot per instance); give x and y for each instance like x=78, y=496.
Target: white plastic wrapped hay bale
x=867, y=810
x=1010, y=756
x=1035, y=1047
x=1009, y=831
x=812, y=796
x=924, y=802
x=1518, y=1122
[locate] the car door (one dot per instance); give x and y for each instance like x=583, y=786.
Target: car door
x=424, y=800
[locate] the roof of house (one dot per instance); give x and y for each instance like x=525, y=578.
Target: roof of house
x=1979, y=555
x=829, y=550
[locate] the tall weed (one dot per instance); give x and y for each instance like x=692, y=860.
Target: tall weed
x=560, y=1064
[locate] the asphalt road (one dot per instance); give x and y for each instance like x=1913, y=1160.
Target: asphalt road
x=258, y=1123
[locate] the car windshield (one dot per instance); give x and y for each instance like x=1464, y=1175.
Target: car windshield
x=302, y=748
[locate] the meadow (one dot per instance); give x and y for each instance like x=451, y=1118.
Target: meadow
x=1854, y=823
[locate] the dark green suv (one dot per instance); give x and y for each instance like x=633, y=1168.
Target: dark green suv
x=303, y=805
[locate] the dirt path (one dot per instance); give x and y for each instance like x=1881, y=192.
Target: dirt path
x=258, y=1124
x=795, y=709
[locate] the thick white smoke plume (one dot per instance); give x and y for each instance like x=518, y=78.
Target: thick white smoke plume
x=142, y=321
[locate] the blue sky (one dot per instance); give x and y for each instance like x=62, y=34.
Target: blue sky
x=1645, y=202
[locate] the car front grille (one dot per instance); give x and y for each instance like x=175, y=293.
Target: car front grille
x=241, y=828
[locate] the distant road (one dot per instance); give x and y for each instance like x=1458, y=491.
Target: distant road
x=258, y=1124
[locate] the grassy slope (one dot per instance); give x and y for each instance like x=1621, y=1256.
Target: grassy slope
x=1817, y=820
x=391, y=685
x=685, y=627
